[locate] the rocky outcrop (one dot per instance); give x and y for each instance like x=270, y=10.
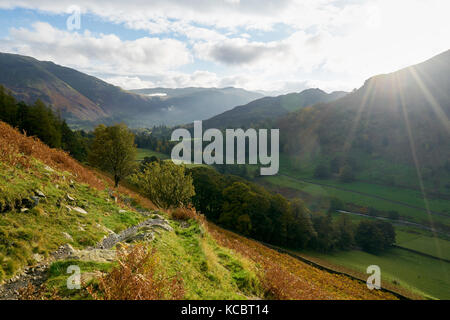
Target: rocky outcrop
x=102, y=252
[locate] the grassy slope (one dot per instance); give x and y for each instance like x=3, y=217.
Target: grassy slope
x=40, y=230
x=210, y=267
x=426, y=275
x=422, y=275
x=292, y=169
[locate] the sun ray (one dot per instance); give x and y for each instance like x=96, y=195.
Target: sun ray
x=351, y=136
x=434, y=104
x=418, y=171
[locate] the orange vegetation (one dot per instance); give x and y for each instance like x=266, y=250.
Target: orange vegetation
x=137, y=277
x=16, y=149
x=285, y=277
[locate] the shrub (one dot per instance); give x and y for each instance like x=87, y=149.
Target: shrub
x=166, y=184
x=138, y=276
x=183, y=214
x=375, y=236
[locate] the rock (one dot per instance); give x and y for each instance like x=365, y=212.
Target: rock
x=87, y=277
x=109, y=241
x=185, y=224
x=39, y=193
x=67, y=236
x=38, y=258
x=158, y=223
x=104, y=229
x=80, y=210
x=48, y=168
x=96, y=255
x=63, y=252
x=144, y=236
x=122, y=211
x=77, y=209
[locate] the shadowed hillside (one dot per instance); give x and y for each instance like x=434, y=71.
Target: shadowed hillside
x=269, y=108
x=401, y=117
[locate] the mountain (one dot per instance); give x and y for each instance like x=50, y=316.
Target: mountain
x=400, y=118
x=85, y=99
x=269, y=108
x=198, y=103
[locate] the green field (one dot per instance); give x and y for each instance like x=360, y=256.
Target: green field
x=416, y=241
x=416, y=215
x=422, y=275
x=142, y=153
x=304, y=170
x=414, y=238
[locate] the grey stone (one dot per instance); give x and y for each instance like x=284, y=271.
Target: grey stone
x=39, y=193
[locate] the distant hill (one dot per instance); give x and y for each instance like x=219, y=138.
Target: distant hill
x=193, y=103
x=399, y=118
x=85, y=99
x=269, y=108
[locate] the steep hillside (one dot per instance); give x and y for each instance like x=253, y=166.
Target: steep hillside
x=29, y=80
x=269, y=108
x=398, y=118
x=56, y=213
x=87, y=100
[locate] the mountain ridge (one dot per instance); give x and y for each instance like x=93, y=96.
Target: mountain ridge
x=84, y=98
x=270, y=108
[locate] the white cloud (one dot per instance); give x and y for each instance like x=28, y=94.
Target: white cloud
x=128, y=83
x=334, y=44
x=105, y=53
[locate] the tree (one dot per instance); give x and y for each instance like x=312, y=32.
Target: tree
x=388, y=231
x=369, y=237
x=346, y=174
x=321, y=172
x=375, y=236
x=113, y=150
x=208, y=186
x=344, y=228
x=148, y=160
x=336, y=204
x=325, y=239
x=300, y=229
x=166, y=184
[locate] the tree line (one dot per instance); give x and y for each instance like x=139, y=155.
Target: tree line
x=247, y=208
x=39, y=120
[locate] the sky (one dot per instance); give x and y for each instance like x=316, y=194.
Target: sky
x=276, y=46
